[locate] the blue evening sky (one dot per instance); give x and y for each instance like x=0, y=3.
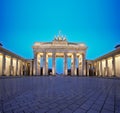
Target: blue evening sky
x=94, y=22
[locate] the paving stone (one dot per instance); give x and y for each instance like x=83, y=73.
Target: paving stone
x=7, y=109
x=55, y=110
x=19, y=111
x=106, y=111
x=85, y=106
x=66, y=111
x=109, y=107
x=79, y=110
x=8, y=112
x=42, y=105
x=61, y=94
x=73, y=107
x=96, y=107
x=92, y=111
x=117, y=111
x=41, y=111
x=52, y=105
x=7, y=106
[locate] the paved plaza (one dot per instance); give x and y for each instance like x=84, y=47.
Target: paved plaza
x=59, y=94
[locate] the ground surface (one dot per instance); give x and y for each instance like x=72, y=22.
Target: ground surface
x=59, y=95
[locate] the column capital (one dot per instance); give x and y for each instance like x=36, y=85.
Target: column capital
x=54, y=53
x=65, y=54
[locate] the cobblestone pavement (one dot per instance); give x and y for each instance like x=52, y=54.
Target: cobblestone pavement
x=59, y=95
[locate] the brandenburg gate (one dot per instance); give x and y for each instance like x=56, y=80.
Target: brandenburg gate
x=59, y=47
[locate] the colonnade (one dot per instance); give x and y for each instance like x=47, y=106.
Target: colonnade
x=109, y=66
x=10, y=65
x=44, y=56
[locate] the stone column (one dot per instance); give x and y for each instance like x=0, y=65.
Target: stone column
x=97, y=68
x=35, y=64
x=106, y=67
x=11, y=66
x=113, y=66
x=80, y=65
x=21, y=70
x=3, y=64
x=18, y=71
x=101, y=68
x=83, y=64
x=25, y=68
x=65, y=64
x=87, y=68
x=44, y=63
x=16, y=66
x=53, y=64
x=87, y=63
x=21, y=67
x=72, y=65
x=38, y=65
x=31, y=68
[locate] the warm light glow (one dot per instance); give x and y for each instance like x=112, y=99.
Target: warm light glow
x=99, y=68
x=117, y=55
x=14, y=66
x=117, y=65
x=49, y=54
x=1, y=60
x=59, y=54
x=110, y=66
x=82, y=45
x=7, y=65
x=40, y=54
x=72, y=59
x=47, y=58
x=109, y=58
x=18, y=71
x=69, y=54
x=103, y=67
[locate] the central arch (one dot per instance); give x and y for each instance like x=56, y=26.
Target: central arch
x=59, y=66
x=59, y=63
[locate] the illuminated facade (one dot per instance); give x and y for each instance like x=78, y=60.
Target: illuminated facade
x=109, y=64
x=59, y=47
x=12, y=64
